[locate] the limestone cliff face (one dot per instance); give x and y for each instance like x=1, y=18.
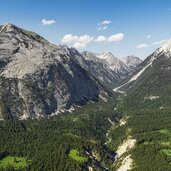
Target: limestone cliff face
x=38, y=78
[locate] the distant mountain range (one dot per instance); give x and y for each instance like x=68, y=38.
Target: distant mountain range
x=38, y=78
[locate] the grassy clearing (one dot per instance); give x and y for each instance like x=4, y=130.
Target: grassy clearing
x=16, y=162
x=165, y=132
x=71, y=134
x=165, y=143
x=166, y=152
x=74, y=154
x=148, y=142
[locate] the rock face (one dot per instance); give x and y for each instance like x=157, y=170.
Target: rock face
x=114, y=63
x=132, y=62
x=100, y=69
x=121, y=67
x=38, y=78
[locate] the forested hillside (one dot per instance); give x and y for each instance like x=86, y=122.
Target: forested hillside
x=49, y=144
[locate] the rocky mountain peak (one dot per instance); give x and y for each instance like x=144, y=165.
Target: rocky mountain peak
x=132, y=60
x=106, y=55
x=7, y=27
x=22, y=35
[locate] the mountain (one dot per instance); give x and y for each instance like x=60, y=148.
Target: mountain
x=38, y=78
x=107, y=68
x=149, y=85
x=132, y=62
x=122, y=67
x=100, y=69
x=114, y=63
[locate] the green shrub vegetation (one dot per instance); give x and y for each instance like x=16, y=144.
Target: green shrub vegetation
x=166, y=152
x=74, y=154
x=16, y=162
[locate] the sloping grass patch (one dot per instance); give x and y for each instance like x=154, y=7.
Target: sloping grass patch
x=74, y=154
x=165, y=132
x=148, y=142
x=166, y=152
x=165, y=143
x=16, y=162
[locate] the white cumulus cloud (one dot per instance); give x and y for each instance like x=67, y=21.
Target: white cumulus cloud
x=69, y=38
x=100, y=38
x=79, y=45
x=47, y=22
x=77, y=41
x=116, y=37
x=143, y=45
x=85, y=39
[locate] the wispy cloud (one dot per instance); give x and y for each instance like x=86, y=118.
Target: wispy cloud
x=103, y=25
x=149, y=36
x=160, y=42
x=105, y=22
x=46, y=22
x=142, y=46
x=102, y=28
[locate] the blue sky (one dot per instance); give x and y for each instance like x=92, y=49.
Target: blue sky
x=125, y=27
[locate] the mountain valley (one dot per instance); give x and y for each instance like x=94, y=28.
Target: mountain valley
x=65, y=110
